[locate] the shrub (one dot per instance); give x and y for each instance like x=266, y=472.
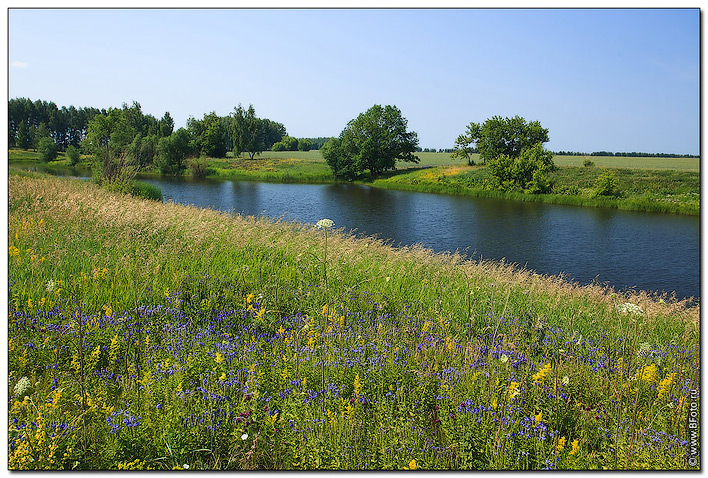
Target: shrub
x=588, y=164
x=197, y=166
x=279, y=146
x=47, y=149
x=73, y=154
x=606, y=184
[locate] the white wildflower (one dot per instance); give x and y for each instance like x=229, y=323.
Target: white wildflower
x=504, y=358
x=565, y=380
x=244, y=436
x=629, y=308
x=22, y=386
x=50, y=286
x=185, y=466
x=324, y=224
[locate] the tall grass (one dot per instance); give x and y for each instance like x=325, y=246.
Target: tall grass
x=148, y=335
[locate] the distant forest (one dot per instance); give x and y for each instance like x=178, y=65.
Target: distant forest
x=67, y=126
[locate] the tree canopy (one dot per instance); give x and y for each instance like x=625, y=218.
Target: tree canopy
x=372, y=141
x=499, y=136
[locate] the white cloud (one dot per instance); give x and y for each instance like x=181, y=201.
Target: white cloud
x=19, y=64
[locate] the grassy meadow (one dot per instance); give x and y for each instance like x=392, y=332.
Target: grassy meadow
x=144, y=335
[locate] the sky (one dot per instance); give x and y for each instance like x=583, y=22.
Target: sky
x=598, y=79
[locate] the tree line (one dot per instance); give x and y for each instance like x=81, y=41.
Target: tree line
x=633, y=154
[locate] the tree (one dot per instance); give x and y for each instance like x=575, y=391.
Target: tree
x=374, y=140
x=500, y=136
x=72, y=152
x=109, y=137
x=47, y=149
x=213, y=138
x=527, y=172
x=304, y=144
x=166, y=125
x=23, y=140
x=247, y=132
x=172, y=151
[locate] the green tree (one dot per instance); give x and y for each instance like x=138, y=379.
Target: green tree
x=372, y=141
x=527, y=172
x=500, y=136
x=109, y=138
x=172, y=152
x=304, y=144
x=166, y=125
x=72, y=152
x=213, y=138
x=47, y=149
x=23, y=140
x=247, y=132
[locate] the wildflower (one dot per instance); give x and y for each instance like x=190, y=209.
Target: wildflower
x=628, y=308
x=648, y=374
x=538, y=376
x=185, y=466
x=538, y=417
x=244, y=436
x=22, y=386
x=504, y=358
x=665, y=385
x=575, y=448
x=324, y=224
x=565, y=380
x=513, y=390
x=107, y=310
x=13, y=251
x=50, y=286
x=357, y=385
x=561, y=444
x=412, y=465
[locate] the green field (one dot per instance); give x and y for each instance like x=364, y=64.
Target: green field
x=144, y=335
x=443, y=159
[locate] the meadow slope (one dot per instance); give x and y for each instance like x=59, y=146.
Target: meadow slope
x=145, y=335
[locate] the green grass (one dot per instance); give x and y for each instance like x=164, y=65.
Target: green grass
x=148, y=335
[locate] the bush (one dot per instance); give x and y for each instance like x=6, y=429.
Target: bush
x=588, y=164
x=47, y=149
x=525, y=173
x=73, y=154
x=197, y=166
x=146, y=190
x=279, y=146
x=606, y=184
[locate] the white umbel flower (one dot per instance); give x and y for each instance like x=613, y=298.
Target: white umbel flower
x=324, y=224
x=22, y=386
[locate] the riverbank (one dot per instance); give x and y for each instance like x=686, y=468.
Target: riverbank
x=213, y=340
x=664, y=190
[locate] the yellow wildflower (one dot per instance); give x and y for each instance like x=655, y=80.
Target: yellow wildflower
x=513, y=390
x=648, y=374
x=357, y=385
x=665, y=385
x=219, y=358
x=575, y=448
x=561, y=444
x=539, y=376
x=13, y=251
x=412, y=465
x=538, y=417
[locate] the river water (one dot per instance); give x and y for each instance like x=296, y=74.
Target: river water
x=648, y=251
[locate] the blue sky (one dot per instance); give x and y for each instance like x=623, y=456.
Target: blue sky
x=616, y=80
